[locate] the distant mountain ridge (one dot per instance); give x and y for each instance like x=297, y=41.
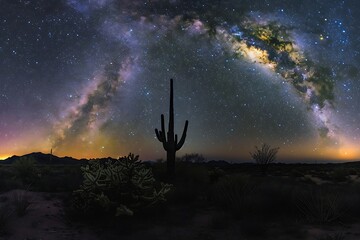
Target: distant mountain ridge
x=42, y=158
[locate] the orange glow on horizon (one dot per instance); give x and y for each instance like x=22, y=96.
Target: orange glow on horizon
x=104, y=145
x=3, y=157
x=348, y=153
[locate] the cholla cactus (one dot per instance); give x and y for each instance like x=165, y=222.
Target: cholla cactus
x=123, y=186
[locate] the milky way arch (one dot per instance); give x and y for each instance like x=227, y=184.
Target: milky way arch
x=265, y=43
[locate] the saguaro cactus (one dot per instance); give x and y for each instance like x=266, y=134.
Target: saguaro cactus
x=170, y=143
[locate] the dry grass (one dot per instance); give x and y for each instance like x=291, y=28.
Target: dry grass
x=21, y=203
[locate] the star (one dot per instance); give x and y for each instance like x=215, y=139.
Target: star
x=90, y=78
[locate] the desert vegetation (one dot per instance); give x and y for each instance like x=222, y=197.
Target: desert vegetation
x=169, y=140
x=117, y=187
x=126, y=197
x=187, y=197
x=264, y=156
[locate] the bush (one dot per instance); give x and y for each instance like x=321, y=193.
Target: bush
x=335, y=236
x=234, y=192
x=25, y=170
x=193, y=158
x=264, y=156
x=7, y=179
x=215, y=174
x=58, y=179
x=191, y=184
x=272, y=199
x=119, y=187
x=320, y=206
x=21, y=203
x=5, y=214
x=340, y=175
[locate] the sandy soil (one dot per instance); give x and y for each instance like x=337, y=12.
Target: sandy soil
x=45, y=220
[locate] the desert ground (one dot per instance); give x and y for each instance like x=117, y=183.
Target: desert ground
x=207, y=200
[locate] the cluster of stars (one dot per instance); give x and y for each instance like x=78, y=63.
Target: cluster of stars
x=90, y=78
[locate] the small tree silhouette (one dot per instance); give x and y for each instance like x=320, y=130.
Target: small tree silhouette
x=264, y=156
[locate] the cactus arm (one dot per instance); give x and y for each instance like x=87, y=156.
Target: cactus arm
x=182, y=140
x=158, y=135
x=161, y=134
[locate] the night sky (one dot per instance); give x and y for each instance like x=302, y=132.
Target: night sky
x=90, y=78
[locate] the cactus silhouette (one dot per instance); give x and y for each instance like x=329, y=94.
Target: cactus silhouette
x=170, y=141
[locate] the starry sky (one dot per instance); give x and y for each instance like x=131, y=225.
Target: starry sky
x=90, y=78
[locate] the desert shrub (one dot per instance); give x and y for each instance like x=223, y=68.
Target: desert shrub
x=59, y=179
x=264, y=156
x=7, y=179
x=119, y=187
x=220, y=220
x=296, y=173
x=233, y=192
x=350, y=196
x=5, y=214
x=191, y=183
x=193, y=158
x=272, y=199
x=215, y=174
x=340, y=174
x=46, y=170
x=25, y=170
x=320, y=206
x=21, y=203
x=335, y=236
x=159, y=169
x=353, y=171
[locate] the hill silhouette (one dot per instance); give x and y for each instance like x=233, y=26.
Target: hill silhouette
x=42, y=158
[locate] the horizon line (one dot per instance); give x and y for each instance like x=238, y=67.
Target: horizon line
x=226, y=159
